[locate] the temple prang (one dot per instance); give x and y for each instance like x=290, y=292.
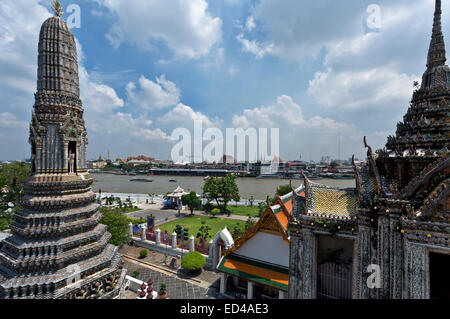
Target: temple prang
x=58, y=229
x=398, y=216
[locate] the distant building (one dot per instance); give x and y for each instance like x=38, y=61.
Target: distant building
x=98, y=163
x=138, y=162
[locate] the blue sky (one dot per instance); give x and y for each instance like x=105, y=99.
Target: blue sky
x=314, y=69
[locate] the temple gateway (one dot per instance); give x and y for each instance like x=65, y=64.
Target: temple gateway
x=388, y=237
x=58, y=248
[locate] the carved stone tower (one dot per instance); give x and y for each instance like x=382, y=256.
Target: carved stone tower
x=400, y=224
x=59, y=249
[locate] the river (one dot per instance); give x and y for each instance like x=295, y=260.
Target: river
x=256, y=187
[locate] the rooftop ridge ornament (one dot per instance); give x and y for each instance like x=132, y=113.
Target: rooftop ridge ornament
x=436, y=52
x=57, y=8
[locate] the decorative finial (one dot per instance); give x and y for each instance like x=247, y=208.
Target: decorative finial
x=57, y=8
x=436, y=52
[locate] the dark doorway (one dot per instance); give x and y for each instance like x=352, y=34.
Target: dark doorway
x=334, y=268
x=72, y=157
x=33, y=157
x=439, y=277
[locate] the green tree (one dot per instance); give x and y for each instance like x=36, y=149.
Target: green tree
x=117, y=224
x=281, y=190
x=203, y=232
x=12, y=177
x=284, y=189
x=334, y=165
x=222, y=190
x=237, y=232
x=191, y=200
x=127, y=167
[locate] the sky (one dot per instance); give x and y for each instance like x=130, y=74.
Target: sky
x=319, y=71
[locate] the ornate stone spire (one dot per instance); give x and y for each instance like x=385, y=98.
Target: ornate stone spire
x=436, y=52
x=57, y=239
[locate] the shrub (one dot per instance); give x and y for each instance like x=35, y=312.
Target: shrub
x=215, y=211
x=193, y=261
x=208, y=207
x=143, y=253
x=135, y=273
x=162, y=289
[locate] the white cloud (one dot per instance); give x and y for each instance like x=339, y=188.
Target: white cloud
x=9, y=120
x=284, y=113
x=250, y=23
x=153, y=95
x=184, y=116
x=298, y=30
x=184, y=25
x=97, y=97
x=20, y=21
x=361, y=89
x=298, y=133
x=252, y=46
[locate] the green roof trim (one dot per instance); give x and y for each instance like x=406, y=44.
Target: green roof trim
x=276, y=210
x=251, y=277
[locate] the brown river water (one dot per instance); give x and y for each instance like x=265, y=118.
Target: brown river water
x=259, y=188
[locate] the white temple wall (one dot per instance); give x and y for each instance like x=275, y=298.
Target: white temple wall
x=266, y=247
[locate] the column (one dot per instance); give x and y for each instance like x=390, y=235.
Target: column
x=191, y=244
x=130, y=229
x=281, y=294
x=66, y=156
x=296, y=266
x=384, y=258
x=158, y=236
x=15, y=292
x=417, y=282
x=211, y=251
x=309, y=265
x=249, y=290
x=144, y=233
x=174, y=240
x=223, y=283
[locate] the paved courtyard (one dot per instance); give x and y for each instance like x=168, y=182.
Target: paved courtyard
x=176, y=288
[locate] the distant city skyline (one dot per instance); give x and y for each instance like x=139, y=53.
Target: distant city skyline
x=229, y=63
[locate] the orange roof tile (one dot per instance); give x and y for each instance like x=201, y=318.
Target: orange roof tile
x=271, y=276
x=282, y=220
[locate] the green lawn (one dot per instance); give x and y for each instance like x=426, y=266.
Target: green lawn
x=253, y=211
x=132, y=209
x=193, y=223
x=122, y=210
x=244, y=210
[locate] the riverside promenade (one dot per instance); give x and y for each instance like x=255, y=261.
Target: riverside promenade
x=163, y=216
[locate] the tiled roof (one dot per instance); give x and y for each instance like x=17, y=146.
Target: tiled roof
x=282, y=219
x=332, y=202
x=283, y=208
